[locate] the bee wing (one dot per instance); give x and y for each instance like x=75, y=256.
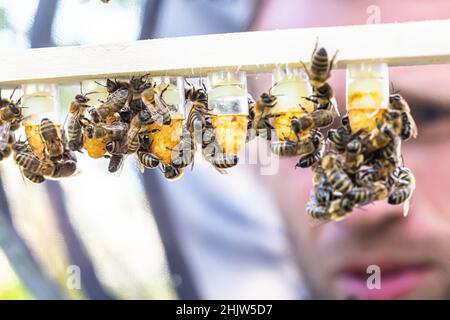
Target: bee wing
x=4, y=135
x=413, y=126
x=156, y=116
x=406, y=208
x=334, y=106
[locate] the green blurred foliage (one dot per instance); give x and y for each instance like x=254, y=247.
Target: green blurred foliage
x=14, y=291
x=4, y=22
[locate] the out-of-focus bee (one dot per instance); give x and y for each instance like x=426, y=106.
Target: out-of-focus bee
x=172, y=173
x=147, y=160
x=10, y=111
x=115, y=162
x=320, y=69
x=339, y=208
x=404, y=186
x=113, y=104
x=336, y=176
x=365, y=195
x=159, y=110
x=409, y=127
x=317, y=211
x=6, y=143
x=322, y=192
x=308, y=160
x=143, y=118
x=53, y=145
x=74, y=126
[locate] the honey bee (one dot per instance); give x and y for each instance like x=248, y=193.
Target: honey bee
x=184, y=153
x=6, y=142
x=336, y=176
x=353, y=156
x=114, y=103
x=74, y=126
x=148, y=160
x=324, y=98
x=409, y=127
x=340, y=207
x=316, y=211
x=10, y=111
x=53, y=145
x=308, y=160
x=172, y=173
x=287, y=148
x=117, y=147
x=63, y=169
x=379, y=138
x=116, y=131
x=143, y=118
x=262, y=108
x=315, y=120
x=30, y=163
x=365, y=195
x=223, y=161
x=159, y=110
x=115, y=162
x=259, y=115
x=320, y=69
x=404, y=188
x=322, y=192
x=198, y=111
x=35, y=178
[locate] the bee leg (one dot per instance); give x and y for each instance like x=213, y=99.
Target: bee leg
x=332, y=62
x=306, y=69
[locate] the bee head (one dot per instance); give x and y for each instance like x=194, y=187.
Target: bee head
x=89, y=131
x=14, y=108
x=81, y=98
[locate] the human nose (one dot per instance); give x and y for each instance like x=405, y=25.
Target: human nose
x=373, y=217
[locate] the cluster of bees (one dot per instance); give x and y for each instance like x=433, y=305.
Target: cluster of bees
x=136, y=119
x=363, y=167
x=53, y=160
x=351, y=169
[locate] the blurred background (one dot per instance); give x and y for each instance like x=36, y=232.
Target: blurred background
x=133, y=235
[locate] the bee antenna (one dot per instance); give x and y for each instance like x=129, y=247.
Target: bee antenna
x=12, y=94
x=81, y=88
x=101, y=85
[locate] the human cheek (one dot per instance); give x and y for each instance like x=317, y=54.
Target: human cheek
x=432, y=172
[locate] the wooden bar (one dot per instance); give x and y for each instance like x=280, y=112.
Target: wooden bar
x=411, y=43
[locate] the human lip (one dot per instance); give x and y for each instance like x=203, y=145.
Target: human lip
x=397, y=280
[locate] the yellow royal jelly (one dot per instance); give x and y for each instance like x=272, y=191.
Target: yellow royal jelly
x=228, y=99
x=167, y=137
x=291, y=87
x=367, y=95
x=38, y=102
